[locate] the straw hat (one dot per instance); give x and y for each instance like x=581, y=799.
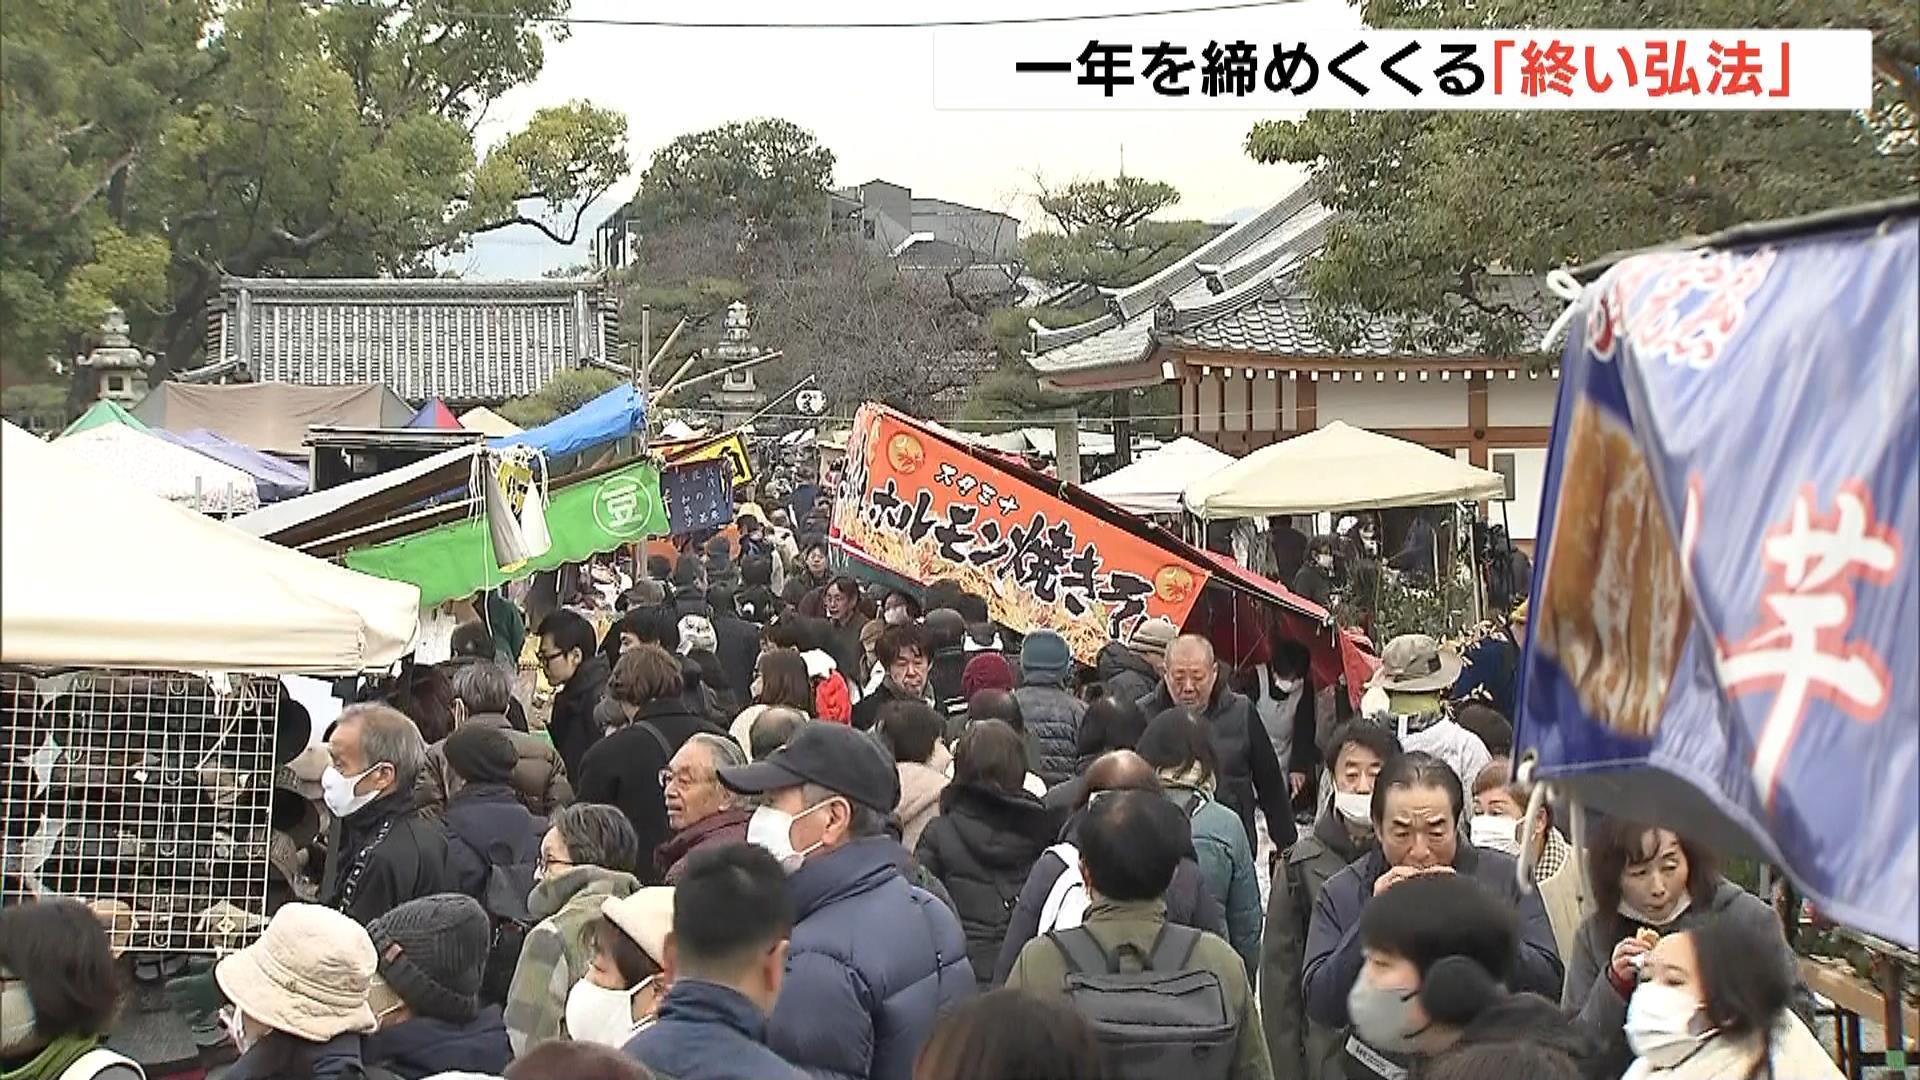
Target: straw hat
x=307, y=975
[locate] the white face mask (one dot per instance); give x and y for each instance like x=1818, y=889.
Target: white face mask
x=1356, y=808
x=773, y=830
x=596, y=1014
x=1496, y=832
x=237, y=1030
x=1645, y=919
x=1660, y=1025
x=16, y=1017
x=1324, y=562
x=1288, y=687
x=337, y=790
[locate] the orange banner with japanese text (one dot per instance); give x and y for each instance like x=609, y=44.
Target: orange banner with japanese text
x=915, y=504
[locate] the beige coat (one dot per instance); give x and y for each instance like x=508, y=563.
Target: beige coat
x=920, y=788
x=1568, y=901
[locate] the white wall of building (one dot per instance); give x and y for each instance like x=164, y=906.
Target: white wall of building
x=1522, y=401
x=1366, y=403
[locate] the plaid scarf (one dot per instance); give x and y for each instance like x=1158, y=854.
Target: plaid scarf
x=1552, y=857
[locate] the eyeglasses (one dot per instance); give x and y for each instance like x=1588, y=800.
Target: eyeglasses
x=548, y=657
x=547, y=864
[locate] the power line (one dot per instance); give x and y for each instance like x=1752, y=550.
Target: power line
x=834, y=421
x=930, y=24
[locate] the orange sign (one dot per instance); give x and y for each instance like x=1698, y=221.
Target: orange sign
x=917, y=505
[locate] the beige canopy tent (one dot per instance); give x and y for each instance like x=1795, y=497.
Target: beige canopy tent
x=221, y=601
x=273, y=417
x=487, y=422
x=1337, y=468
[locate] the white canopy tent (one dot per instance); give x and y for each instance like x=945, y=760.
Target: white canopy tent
x=1337, y=468
x=1153, y=484
x=220, y=600
x=158, y=467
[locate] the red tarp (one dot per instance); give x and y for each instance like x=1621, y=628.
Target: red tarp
x=435, y=414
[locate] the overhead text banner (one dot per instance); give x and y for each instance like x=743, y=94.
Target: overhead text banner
x=913, y=504
x=584, y=519
x=1723, y=625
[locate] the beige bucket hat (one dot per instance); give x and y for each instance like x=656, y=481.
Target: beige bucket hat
x=307, y=975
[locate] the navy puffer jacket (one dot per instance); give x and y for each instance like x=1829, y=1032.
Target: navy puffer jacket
x=1053, y=726
x=872, y=963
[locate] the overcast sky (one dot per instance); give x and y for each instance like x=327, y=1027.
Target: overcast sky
x=868, y=95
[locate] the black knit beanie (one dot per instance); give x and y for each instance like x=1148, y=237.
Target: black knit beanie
x=431, y=951
x=481, y=755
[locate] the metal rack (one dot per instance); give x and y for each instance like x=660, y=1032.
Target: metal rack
x=146, y=795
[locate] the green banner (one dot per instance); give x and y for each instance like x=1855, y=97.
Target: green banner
x=584, y=519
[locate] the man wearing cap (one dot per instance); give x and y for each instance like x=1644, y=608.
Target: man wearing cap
x=1415, y=675
x=1130, y=670
x=873, y=959
x=1250, y=773
x=430, y=953
x=1053, y=715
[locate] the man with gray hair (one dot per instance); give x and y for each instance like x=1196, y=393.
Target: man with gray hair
x=482, y=692
x=702, y=812
x=381, y=850
x=1249, y=775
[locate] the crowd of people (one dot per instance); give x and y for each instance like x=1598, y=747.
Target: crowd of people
x=780, y=825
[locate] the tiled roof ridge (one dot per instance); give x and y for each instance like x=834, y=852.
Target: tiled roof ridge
x=1245, y=284
x=413, y=288
x=1147, y=295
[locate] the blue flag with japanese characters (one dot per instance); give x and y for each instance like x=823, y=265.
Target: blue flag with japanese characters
x=1725, y=625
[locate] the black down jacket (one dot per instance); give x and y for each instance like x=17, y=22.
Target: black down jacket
x=982, y=847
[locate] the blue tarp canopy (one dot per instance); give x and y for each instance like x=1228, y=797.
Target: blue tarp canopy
x=613, y=415
x=273, y=478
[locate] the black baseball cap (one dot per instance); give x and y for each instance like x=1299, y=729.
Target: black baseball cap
x=834, y=756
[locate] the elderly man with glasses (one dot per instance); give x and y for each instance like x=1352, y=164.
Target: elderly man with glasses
x=702, y=812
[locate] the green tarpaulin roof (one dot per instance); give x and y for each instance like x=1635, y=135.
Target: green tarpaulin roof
x=102, y=413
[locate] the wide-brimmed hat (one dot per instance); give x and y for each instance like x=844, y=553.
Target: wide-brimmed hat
x=1416, y=664
x=307, y=975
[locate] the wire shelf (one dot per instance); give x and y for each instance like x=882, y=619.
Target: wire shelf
x=146, y=795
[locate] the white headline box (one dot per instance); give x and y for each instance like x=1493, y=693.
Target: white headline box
x=1268, y=66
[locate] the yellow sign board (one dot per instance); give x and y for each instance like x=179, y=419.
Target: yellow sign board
x=729, y=448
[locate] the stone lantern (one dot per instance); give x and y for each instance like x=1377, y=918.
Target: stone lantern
x=117, y=367
x=739, y=397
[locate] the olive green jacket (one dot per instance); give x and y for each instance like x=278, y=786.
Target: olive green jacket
x=1041, y=969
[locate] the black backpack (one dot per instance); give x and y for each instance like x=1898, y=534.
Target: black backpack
x=504, y=897
x=1166, y=1020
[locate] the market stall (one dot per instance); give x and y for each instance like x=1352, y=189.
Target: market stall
x=140, y=719
x=273, y=478
x=1333, y=469
x=1153, y=484
x=915, y=506
x=158, y=467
